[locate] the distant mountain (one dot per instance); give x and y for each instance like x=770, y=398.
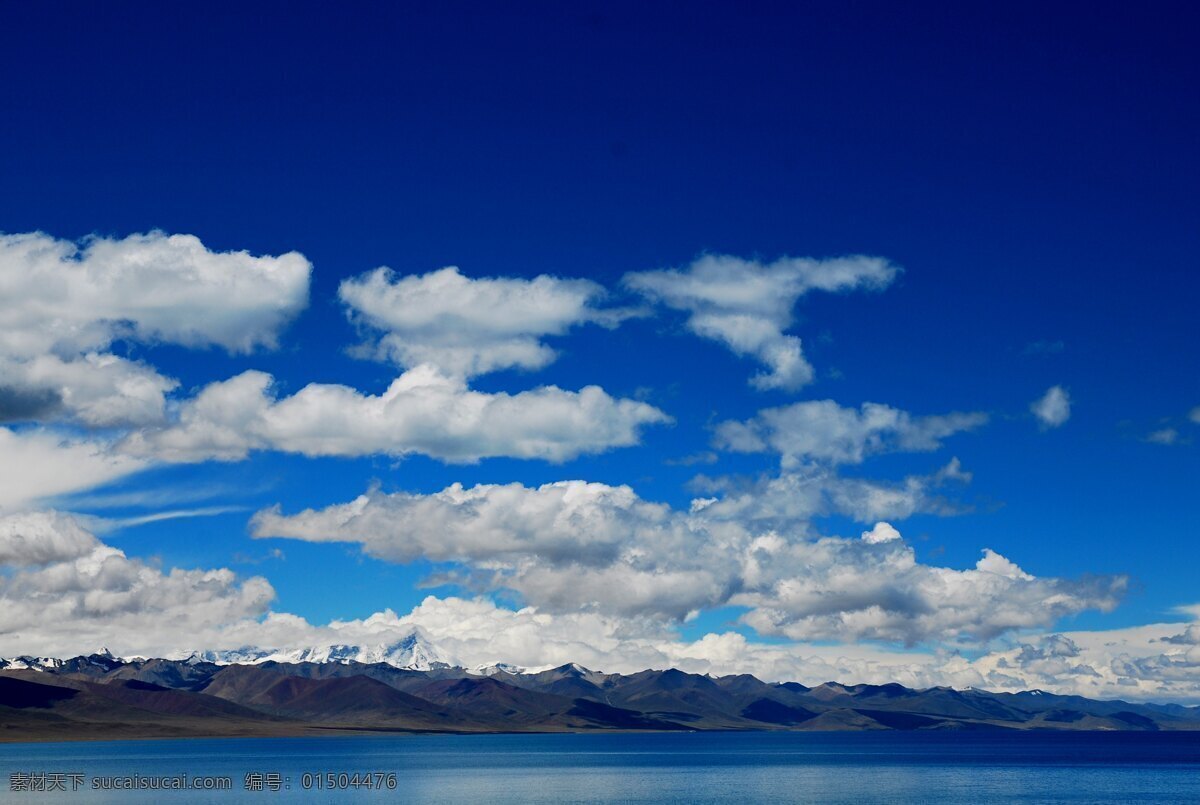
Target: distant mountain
x=413, y=651
x=409, y=686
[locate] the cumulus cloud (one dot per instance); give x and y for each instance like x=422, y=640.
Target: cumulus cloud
x=465, y=326
x=882, y=532
x=422, y=412
x=42, y=537
x=40, y=464
x=1053, y=408
x=747, y=305
x=1194, y=415
x=565, y=522
x=575, y=546
x=853, y=589
x=1141, y=662
x=62, y=296
x=823, y=431
x=63, y=304
x=97, y=389
x=67, y=591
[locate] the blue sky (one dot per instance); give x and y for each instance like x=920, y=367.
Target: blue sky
x=1031, y=172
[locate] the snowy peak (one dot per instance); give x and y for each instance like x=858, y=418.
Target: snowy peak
x=102, y=659
x=412, y=652
x=497, y=668
x=30, y=664
x=246, y=655
x=416, y=652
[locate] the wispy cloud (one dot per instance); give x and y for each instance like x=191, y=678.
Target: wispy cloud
x=160, y=497
x=107, y=525
x=1163, y=436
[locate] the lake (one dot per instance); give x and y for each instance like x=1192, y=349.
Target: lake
x=643, y=767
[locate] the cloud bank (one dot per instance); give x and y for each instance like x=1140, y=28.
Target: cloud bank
x=63, y=590
x=575, y=546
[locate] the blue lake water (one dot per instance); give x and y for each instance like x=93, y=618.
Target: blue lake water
x=646, y=768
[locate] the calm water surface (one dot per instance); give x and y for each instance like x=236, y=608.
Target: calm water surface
x=646, y=768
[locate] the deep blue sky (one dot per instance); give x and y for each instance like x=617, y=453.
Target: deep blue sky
x=1034, y=169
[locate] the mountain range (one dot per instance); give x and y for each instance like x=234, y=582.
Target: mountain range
x=409, y=686
x=413, y=651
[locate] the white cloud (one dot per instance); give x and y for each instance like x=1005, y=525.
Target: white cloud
x=1172, y=432
x=747, y=305
x=43, y=537
x=565, y=522
x=823, y=431
x=40, y=464
x=422, y=412
x=97, y=389
x=1053, y=408
x=160, y=497
x=82, y=593
x=575, y=546
x=1141, y=662
x=62, y=304
x=102, y=525
x=1190, y=610
x=882, y=532
x=851, y=589
x=789, y=500
x=467, y=327
x=59, y=296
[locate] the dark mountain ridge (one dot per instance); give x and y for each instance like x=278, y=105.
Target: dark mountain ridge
x=101, y=697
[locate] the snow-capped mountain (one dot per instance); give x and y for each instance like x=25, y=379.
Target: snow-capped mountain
x=102, y=657
x=30, y=663
x=496, y=668
x=414, y=651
